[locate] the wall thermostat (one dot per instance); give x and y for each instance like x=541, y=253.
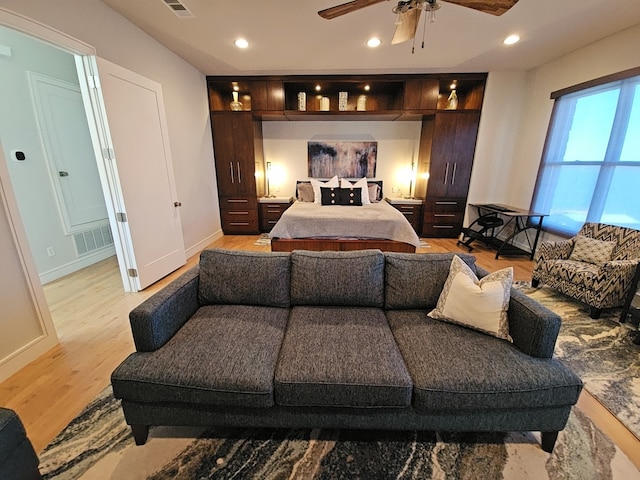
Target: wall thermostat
x=18, y=155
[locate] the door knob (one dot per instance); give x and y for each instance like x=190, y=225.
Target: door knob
x=177, y=204
x=63, y=174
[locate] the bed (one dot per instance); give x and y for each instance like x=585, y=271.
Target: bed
x=310, y=226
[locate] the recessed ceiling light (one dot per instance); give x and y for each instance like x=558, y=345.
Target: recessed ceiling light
x=318, y=88
x=511, y=39
x=241, y=43
x=367, y=87
x=373, y=42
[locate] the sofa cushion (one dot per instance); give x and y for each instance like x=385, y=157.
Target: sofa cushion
x=415, y=280
x=238, y=277
x=225, y=355
x=478, y=304
x=590, y=250
x=453, y=367
x=340, y=357
x=353, y=278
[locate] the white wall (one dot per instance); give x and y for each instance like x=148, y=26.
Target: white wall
x=184, y=89
x=285, y=146
x=31, y=181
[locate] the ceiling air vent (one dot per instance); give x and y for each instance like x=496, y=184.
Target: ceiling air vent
x=179, y=8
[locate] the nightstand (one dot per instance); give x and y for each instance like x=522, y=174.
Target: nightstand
x=410, y=208
x=270, y=210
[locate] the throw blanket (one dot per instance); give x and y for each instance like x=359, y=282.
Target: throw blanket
x=377, y=220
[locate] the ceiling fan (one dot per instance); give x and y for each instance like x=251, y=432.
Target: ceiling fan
x=409, y=12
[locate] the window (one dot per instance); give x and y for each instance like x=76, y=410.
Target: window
x=590, y=169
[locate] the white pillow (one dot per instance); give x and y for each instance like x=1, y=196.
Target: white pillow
x=317, y=184
x=362, y=184
x=478, y=304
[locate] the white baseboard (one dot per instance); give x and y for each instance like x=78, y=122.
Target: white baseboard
x=27, y=354
x=201, y=245
x=76, y=265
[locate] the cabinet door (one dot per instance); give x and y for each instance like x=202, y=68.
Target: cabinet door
x=234, y=153
x=454, y=142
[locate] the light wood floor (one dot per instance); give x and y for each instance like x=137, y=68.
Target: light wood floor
x=90, y=311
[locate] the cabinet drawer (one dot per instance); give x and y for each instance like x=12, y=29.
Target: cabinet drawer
x=441, y=230
x=239, y=215
x=445, y=205
x=272, y=210
x=238, y=203
x=240, y=227
x=413, y=213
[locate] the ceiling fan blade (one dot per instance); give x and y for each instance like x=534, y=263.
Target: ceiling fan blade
x=345, y=8
x=494, y=7
x=406, y=29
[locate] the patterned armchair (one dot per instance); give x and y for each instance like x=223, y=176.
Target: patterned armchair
x=595, y=267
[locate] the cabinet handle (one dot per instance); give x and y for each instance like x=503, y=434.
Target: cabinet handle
x=239, y=177
x=239, y=224
x=446, y=203
x=238, y=213
x=239, y=200
x=444, y=214
x=231, y=168
x=446, y=173
x=453, y=175
x=442, y=226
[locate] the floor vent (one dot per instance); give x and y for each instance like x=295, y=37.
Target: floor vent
x=92, y=240
x=179, y=8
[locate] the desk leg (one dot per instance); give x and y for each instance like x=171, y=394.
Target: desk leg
x=535, y=242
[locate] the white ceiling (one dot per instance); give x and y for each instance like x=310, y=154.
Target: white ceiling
x=288, y=36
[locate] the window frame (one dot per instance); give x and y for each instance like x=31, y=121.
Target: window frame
x=555, y=118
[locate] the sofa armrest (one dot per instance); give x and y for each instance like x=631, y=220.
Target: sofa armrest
x=158, y=318
x=554, y=250
x=532, y=326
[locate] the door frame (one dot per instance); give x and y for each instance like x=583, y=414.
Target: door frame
x=85, y=59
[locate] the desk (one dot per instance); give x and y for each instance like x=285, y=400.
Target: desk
x=495, y=218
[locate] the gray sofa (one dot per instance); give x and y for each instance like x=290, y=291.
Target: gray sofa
x=336, y=340
x=18, y=459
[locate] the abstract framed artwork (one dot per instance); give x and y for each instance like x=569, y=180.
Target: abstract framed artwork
x=346, y=159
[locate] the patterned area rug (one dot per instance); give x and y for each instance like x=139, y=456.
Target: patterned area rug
x=600, y=351
x=98, y=445
x=263, y=239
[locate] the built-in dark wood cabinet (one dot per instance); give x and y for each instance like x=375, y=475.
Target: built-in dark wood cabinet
x=447, y=142
x=234, y=137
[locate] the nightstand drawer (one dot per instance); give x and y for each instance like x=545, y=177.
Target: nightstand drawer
x=270, y=212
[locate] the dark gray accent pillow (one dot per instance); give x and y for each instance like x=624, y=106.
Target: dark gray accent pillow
x=236, y=277
x=353, y=278
x=415, y=280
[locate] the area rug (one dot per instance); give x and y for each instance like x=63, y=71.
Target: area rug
x=600, y=351
x=98, y=445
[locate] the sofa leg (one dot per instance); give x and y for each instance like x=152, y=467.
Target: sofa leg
x=535, y=282
x=595, y=312
x=140, y=433
x=549, y=441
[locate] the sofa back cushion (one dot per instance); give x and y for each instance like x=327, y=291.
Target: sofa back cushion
x=236, y=277
x=415, y=280
x=353, y=278
x=627, y=239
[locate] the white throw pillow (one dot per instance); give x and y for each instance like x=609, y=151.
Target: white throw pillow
x=317, y=184
x=478, y=304
x=362, y=184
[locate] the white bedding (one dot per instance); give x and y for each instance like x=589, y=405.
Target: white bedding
x=377, y=220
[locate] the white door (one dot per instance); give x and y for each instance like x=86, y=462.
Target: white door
x=141, y=160
x=69, y=152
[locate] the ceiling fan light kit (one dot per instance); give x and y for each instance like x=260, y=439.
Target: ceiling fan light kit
x=408, y=13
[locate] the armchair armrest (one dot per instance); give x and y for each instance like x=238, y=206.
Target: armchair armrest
x=554, y=250
x=158, y=318
x=532, y=326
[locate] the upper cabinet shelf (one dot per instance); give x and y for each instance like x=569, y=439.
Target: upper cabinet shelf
x=345, y=97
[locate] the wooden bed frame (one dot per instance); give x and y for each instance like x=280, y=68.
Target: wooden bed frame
x=319, y=244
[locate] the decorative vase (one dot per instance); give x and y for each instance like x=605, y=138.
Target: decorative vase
x=342, y=101
x=236, y=106
x=302, y=101
x=361, y=105
x=452, y=102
